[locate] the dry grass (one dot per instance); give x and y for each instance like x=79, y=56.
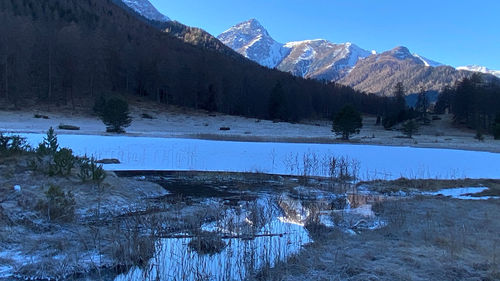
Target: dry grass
x=56, y=249
x=175, y=122
x=426, y=239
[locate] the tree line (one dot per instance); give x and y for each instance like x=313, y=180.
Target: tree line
x=474, y=103
x=72, y=51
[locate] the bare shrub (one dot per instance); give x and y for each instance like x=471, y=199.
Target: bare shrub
x=337, y=168
x=130, y=245
x=59, y=205
x=207, y=244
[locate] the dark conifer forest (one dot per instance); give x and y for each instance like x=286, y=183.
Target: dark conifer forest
x=474, y=102
x=73, y=51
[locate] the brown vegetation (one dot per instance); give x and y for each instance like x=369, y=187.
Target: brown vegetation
x=425, y=239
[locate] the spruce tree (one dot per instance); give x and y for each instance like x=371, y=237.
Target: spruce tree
x=347, y=122
x=422, y=105
x=116, y=116
x=49, y=146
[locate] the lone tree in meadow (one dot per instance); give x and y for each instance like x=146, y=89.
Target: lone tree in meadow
x=410, y=128
x=115, y=115
x=347, y=122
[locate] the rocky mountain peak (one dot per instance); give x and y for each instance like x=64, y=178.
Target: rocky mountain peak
x=252, y=40
x=400, y=52
x=243, y=33
x=146, y=9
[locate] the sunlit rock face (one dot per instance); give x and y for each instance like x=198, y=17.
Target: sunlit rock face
x=253, y=41
x=317, y=59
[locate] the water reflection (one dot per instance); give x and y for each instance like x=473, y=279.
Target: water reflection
x=257, y=231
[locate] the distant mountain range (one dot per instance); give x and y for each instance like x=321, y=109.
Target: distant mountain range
x=318, y=59
x=379, y=73
x=482, y=69
x=344, y=63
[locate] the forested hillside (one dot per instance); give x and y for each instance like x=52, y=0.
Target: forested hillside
x=192, y=35
x=69, y=51
x=474, y=102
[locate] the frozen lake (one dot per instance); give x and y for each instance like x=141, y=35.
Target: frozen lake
x=375, y=162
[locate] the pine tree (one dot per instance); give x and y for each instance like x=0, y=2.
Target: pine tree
x=347, y=122
x=422, y=104
x=116, y=115
x=397, y=111
x=399, y=95
x=49, y=146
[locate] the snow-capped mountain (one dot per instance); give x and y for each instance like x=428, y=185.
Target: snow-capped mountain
x=146, y=9
x=482, y=69
x=317, y=59
x=344, y=63
x=253, y=41
x=324, y=60
x=321, y=59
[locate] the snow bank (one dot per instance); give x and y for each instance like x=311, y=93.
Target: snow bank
x=376, y=162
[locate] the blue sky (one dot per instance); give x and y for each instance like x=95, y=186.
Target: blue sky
x=454, y=32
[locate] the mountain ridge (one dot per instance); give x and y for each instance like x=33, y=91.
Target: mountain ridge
x=380, y=73
x=341, y=62
x=191, y=35
x=308, y=58
x=252, y=40
x=146, y=9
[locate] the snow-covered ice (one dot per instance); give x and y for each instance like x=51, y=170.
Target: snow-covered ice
x=376, y=162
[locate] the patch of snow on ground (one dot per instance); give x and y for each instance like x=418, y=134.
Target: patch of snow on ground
x=464, y=193
x=427, y=62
